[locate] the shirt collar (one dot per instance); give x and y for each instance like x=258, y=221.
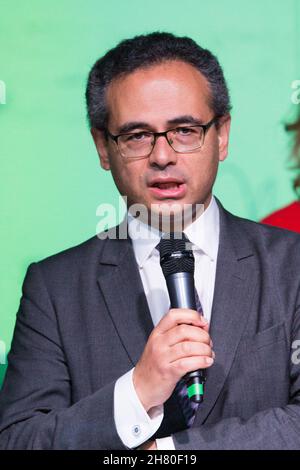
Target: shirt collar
x=203, y=233
x=144, y=238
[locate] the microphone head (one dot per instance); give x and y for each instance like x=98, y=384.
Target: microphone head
x=176, y=256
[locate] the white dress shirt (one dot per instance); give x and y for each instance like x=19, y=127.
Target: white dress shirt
x=134, y=425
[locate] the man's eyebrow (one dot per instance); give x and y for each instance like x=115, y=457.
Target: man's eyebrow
x=186, y=119
x=131, y=126
x=128, y=127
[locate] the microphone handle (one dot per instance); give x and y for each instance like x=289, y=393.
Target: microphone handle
x=181, y=290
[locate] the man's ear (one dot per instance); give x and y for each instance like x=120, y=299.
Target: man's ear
x=101, y=143
x=223, y=136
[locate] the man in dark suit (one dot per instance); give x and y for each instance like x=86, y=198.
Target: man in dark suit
x=97, y=355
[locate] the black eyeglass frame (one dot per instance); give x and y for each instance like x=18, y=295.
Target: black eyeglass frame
x=205, y=128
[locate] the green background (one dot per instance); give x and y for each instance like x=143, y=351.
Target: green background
x=51, y=181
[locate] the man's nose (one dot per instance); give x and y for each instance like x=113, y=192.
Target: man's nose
x=162, y=153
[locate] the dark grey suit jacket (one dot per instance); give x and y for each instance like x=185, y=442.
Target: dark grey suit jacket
x=84, y=321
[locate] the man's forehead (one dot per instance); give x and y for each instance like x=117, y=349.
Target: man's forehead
x=170, y=90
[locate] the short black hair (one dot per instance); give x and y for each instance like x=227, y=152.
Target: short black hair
x=145, y=51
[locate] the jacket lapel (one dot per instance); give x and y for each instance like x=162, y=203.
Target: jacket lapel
x=236, y=277
x=121, y=286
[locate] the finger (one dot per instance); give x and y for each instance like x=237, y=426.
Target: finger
x=206, y=326
x=185, y=332
x=189, y=364
x=188, y=349
x=178, y=316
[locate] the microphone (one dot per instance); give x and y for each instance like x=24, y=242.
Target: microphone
x=178, y=265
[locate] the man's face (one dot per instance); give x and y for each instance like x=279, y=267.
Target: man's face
x=153, y=99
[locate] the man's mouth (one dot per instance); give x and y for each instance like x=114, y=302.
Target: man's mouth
x=170, y=189
x=171, y=185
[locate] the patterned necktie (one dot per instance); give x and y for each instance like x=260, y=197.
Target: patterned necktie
x=188, y=406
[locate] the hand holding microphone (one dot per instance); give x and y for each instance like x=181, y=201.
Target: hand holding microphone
x=179, y=344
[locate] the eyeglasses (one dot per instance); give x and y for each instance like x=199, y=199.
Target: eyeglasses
x=183, y=139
